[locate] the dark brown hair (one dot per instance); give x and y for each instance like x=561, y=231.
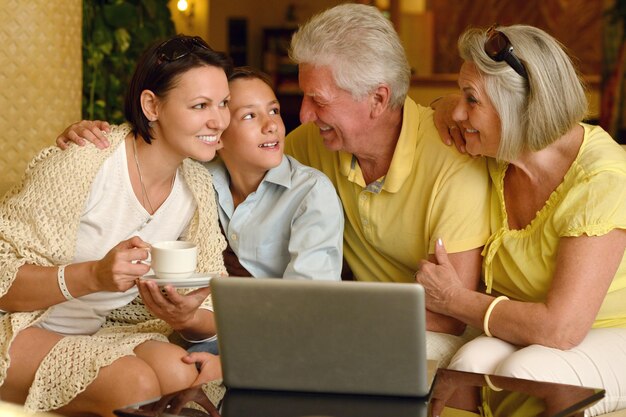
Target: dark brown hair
x=159, y=69
x=250, y=73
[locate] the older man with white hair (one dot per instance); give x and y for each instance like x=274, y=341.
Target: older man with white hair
x=402, y=189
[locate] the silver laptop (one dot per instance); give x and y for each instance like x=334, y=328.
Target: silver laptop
x=319, y=336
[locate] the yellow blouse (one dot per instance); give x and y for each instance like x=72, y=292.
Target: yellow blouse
x=591, y=200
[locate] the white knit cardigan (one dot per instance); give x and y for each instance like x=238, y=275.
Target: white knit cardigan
x=39, y=221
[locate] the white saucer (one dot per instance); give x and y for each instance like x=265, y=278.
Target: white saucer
x=194, y=281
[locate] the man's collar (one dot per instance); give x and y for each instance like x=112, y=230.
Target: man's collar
x=402, y=160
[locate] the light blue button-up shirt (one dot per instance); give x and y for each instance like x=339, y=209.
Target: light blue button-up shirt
x=291, y=226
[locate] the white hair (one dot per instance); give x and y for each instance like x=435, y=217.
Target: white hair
x=361, y=48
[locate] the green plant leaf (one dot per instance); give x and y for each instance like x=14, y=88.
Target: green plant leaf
x=122, y=38
x=115, y=33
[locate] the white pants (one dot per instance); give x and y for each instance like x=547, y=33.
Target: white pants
x=442, y=346
x=598, y=362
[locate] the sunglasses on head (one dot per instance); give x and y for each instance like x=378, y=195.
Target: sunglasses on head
x=177, y=48
x=499, y=48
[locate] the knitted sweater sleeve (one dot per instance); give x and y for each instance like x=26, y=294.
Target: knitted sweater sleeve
x=39, y=217
x=204, y=229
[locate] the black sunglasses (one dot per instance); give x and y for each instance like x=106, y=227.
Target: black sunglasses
x=499, y=48
x=177, y=48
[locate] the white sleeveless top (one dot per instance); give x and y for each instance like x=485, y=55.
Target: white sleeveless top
x=112, y=214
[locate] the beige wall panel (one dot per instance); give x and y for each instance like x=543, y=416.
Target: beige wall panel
x=40, y=77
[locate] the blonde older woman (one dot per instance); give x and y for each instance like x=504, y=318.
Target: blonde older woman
x=554, y=266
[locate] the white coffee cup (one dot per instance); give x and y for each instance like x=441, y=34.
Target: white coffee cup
x=173, y=259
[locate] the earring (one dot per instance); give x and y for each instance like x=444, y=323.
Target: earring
x=151, y=123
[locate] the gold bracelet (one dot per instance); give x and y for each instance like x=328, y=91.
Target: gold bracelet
x=488, y=313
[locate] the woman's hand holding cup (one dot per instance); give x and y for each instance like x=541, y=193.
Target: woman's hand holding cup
x=119, y=269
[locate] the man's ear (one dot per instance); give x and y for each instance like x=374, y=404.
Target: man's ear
x=380, y=99
x=150, y=105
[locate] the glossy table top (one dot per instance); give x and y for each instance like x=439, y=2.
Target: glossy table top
x=453, y=394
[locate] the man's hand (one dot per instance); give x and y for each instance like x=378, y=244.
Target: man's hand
x=85, y=131
x=449, y=130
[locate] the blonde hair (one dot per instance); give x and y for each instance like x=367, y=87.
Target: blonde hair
x=534, y=113
x=360, y=46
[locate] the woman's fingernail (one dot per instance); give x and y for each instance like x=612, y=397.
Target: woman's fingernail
x=439, y=242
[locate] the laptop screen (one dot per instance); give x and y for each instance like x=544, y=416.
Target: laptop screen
x=320, y=336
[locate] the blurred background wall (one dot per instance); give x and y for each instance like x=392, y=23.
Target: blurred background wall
x=428, y=29
x=41, y=83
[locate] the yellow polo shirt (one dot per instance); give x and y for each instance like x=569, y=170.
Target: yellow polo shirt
x=430, y=191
